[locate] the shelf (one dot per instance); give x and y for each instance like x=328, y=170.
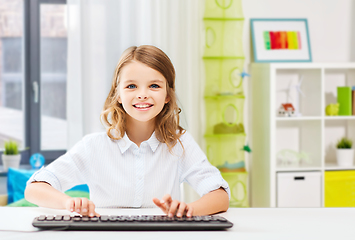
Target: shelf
x=309, y=137
x=297, y=118
x=334, y=166
x=339, y=118
x=297, y=169
x=315, y=118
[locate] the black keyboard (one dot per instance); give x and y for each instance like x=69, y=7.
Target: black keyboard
x=131, y=223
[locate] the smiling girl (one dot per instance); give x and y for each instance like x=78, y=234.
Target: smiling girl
x=142, y=158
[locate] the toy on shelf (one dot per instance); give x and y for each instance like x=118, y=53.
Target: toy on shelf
x=296, y=102
x=288, y=157
x=332, y=109
x=287, y=110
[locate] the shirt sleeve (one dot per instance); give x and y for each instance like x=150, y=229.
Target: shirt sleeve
x=65, y=172
x=197, y=171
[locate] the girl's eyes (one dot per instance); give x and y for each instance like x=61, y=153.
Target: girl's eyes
x=132, y=86
x=154, y=86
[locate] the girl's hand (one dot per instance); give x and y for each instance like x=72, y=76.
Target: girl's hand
x=82, y=206
x=173, y=207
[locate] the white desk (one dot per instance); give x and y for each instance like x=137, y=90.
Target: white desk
x=249, y=223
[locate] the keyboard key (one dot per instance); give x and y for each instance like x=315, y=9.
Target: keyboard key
x=42, y=218
x=50, y=218
x=66, y=218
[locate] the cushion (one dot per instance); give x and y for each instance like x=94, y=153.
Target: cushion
x=16, y=184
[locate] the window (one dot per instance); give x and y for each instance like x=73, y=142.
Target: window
x=33, y=58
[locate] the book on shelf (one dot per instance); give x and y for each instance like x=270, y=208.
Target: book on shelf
x=345, y=101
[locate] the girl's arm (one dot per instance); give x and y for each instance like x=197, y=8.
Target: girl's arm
x=44, y=195
x=213, y=202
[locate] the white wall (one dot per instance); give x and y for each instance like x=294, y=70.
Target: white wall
x=330, y=24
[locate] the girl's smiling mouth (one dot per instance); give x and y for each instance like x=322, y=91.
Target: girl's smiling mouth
x=142, y=106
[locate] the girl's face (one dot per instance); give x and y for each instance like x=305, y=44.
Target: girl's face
x=142, y=91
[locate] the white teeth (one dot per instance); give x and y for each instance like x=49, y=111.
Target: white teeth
x=142, y=106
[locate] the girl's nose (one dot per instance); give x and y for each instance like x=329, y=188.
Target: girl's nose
x=142, y=97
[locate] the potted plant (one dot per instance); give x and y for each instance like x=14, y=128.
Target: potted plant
x=345, y=154
x=11, y=156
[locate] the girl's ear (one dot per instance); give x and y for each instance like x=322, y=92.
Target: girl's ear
x=167, y=99
x=119, y=99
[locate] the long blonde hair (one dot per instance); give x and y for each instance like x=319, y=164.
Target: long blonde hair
x=113, y=115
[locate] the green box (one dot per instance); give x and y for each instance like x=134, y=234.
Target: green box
x=224, y=148
x=224, y=114
x=345, y=101
x=223, y=9
x=223, y=76
x=237, y=182
x=222, y=38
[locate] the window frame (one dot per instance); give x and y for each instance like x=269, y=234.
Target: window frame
x=32, y=70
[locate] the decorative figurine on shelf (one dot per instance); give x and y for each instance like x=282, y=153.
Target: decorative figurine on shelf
x=287, y=157
x=332, y=109
x=289, y=98
x=37, y=161
x=287, y=110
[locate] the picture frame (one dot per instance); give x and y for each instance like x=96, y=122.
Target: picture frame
x=280, y=40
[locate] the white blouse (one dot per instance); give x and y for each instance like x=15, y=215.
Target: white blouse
x=121, y=174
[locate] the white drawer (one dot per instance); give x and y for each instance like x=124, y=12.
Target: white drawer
x=299, y=189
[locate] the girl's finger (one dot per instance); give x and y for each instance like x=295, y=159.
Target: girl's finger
x=91, y=209
x=77, y=205
x=70, y=205
x=166, y=199
x=181, y=209
x=162, y=206
x=190, y=211
x=173, y=207
x=84, y=206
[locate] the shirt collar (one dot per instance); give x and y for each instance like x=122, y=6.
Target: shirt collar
x=125, y=143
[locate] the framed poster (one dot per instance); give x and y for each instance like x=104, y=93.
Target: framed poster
x=280, y=40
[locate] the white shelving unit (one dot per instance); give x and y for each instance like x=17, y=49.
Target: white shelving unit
x=311, y=131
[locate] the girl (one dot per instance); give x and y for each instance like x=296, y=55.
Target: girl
x=142, y=158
